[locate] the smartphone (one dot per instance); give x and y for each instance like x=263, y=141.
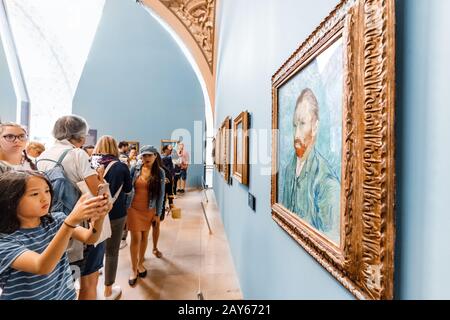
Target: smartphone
x=95, y=161
x=103, y=189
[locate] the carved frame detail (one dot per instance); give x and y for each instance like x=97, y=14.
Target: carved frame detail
x=224, y=149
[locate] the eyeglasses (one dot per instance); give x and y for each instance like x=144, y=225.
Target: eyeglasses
x=12, y=137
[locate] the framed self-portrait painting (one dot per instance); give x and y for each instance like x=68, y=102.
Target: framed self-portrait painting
x=333, y=157
x=240, y=148
x=224, y=145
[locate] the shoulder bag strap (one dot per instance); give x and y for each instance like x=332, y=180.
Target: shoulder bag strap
x=60, y=160
x=109, y=167
x=64, y=154
x=121, y=186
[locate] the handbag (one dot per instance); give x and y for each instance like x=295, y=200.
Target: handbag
x=176, y=213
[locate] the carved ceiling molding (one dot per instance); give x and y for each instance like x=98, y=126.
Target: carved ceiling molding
x=198, y=16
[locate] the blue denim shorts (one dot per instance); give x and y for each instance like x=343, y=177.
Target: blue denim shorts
x=93, y=259
x=183, y=174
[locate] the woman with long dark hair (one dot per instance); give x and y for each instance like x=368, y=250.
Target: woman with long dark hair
x=145, y=204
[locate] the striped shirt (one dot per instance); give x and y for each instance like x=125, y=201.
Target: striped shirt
x=19, y=285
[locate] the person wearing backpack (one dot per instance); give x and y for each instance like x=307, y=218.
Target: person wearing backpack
x=73, y=166
x=118, y=176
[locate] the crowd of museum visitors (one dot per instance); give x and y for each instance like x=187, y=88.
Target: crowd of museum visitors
x=69, y=208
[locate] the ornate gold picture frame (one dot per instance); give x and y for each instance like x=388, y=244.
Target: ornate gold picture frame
x=240, y=148
x=166, y=142
x=340, y=206
x=134, y=144
x=224, y=151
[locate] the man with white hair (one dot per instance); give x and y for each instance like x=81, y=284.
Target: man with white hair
x=311, y=189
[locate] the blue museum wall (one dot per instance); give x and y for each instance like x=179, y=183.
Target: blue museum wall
x=8, y=101
x=137, y=84
x=423, y=150
x=255, y=38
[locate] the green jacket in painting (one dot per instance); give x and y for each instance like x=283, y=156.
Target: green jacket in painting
x=315, y=195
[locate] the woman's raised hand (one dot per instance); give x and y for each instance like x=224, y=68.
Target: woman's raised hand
x=85, y=209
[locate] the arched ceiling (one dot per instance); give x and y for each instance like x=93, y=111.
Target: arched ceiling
x=194, y=22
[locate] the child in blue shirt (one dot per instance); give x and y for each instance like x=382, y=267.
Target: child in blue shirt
x=33, y=262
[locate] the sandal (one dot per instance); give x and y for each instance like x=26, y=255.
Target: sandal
x=157, y=253
x=132, y=282
x=142, y=274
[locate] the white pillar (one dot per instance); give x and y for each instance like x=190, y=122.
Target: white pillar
x=15, y=69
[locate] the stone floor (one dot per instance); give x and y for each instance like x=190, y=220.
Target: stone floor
x=194, y=261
